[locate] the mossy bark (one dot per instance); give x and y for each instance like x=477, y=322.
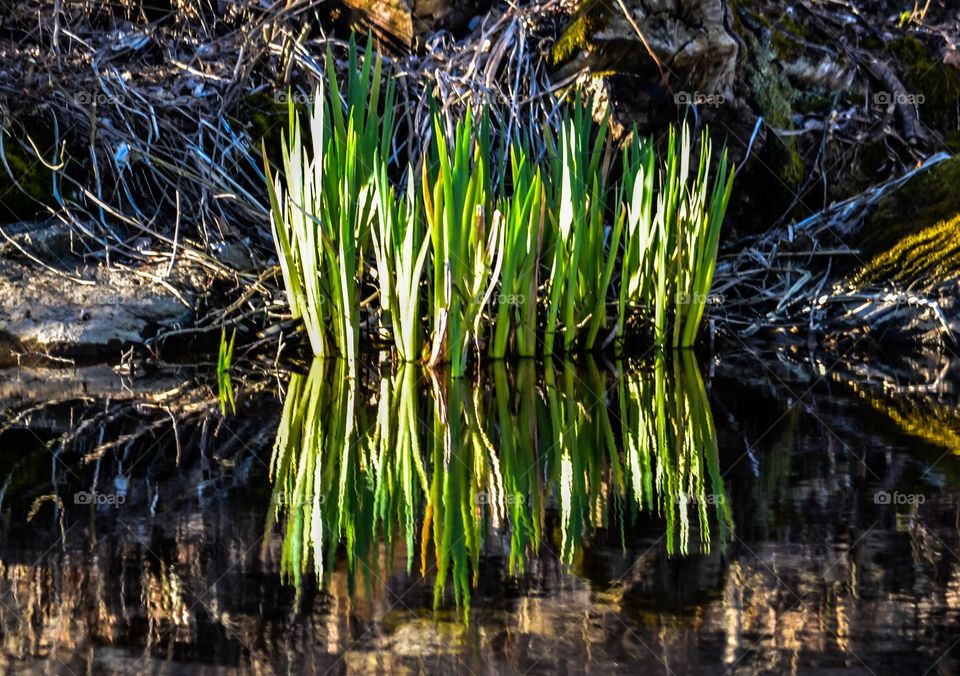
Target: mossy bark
x=588, y=18
x=913, y=236
x=686, y=45
x=924, y=201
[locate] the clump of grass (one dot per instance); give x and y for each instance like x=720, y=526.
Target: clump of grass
x=322, y=205
x=579, y=272
x=224, y=360
x=464, y=234
x=524, y=215
x=672, y=238
x=401, y=246
x=506, y=263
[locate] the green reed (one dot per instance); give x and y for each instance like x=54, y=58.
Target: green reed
x=465, y=236
x=524, y=215
x=323, y=203
x=635, y=210
x=401, y=245
x=703, y=240
x=671, y=239
x=579, y=273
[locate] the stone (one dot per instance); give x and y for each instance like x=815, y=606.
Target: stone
x=406, y=23
x=696, y=51
x=46, y=316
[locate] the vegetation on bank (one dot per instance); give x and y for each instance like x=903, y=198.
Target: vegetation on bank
x=522, y=251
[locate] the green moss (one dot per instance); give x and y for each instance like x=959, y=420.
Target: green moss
x=772, y=91
x=771, y=88
x=952, y=139
x=784, y=47
x=935, y=81
x=761, y=19
x=908, y=50
x=776, y=96
x=815, y=100
x=590, y=17
x=782, y=155
x=266, y=120
x=786, y=38
x=931, y=254
x=914, y=233
x=268, y=116
x=873, y=153
x=789, y=24
x=865, y=165
x=927, y=199
x=776, y=169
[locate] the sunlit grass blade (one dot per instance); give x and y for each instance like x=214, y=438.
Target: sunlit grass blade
x=224, y=361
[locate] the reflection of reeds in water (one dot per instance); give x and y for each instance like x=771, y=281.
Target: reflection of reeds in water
x=490, y=460
x=318, y=413
x=670, y=450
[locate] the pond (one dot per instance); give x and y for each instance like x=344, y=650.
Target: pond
x=652, y=516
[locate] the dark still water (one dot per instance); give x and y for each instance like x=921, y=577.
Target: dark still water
x=655, y=517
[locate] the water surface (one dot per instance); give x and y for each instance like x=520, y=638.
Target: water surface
x=663, y=517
